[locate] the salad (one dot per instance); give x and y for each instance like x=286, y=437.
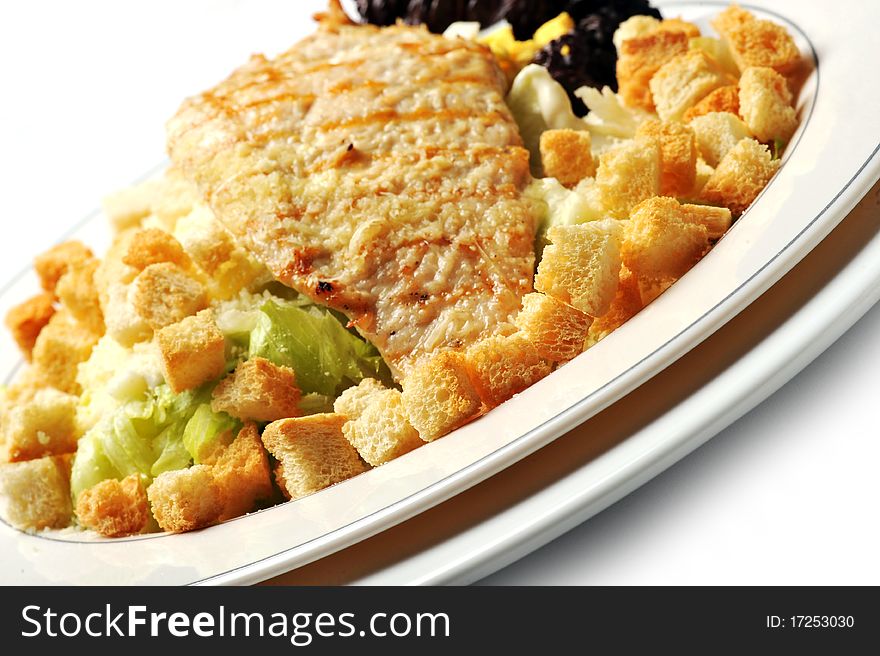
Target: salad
x=187, y=377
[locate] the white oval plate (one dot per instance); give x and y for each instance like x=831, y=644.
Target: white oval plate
x=831, y=163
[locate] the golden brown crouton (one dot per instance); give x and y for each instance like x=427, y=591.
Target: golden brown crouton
x=78, y=293
x=717, y=133
x=241, y=470
x=351, y=402
x=503, y=365
x=756, y=42
x=382, y=431
x=26, y=320
x=566, y=155
x=258, y=390
x=44, y=425
x=556, y=330
x=639, y=59
x=192, y=351
x=581, y=265
x=35, y=494
x=52, y=264
x=684, y=80
x=679, y=25
x=722, y=99
x=60, y=347
x=186, y=499
x=164, y=294
x=152, y=246
x=765, y=104
x=627, y=175
x=438, y=395
x=627, y=303
x=313, y=452
x=740, y=176
x=659, y=242
x=731, y=18
x=651, y=288
x=114, y=508
x=678, y=155
x=716, y=220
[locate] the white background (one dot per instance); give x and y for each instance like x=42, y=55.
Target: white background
x=788, y=494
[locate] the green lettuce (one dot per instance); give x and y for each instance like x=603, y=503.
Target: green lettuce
x=206, y=430
x=310, y=339
x=147, y=437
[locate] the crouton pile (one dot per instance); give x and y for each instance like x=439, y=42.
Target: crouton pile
x=663, y=168
x=696, y=130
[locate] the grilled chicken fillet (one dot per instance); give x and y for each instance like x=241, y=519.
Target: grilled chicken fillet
x=379, y=172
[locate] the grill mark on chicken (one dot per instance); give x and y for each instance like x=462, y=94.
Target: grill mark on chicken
x=379, y=172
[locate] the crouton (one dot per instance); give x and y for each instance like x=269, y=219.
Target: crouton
x=627, y=175
x=164, y=294
x=733, y=17
x=78, y=293
x=566, y=155
x=35, y=494
x=581, y=265
x=633, y=27
x=740, y=176
x=679, y=25
x=60, y=347
x=152, y=246
x=638, y=60
x=556, y=330
x=684, y=80
x=352, y=401
x=755, y=42
x=313, y=452
x=722, y=99
x=122, y=321
x=503, y=365
x=205, y=239
x=258, y=390
x=651, y=288
x=186, y=499
x=765, y=104
x=717, y=133
x=659, y=242
x=716, y=220
x=44, y=425
x=126, y=208
x=52, y=264
x=627, y=303
x=678, y=155
x=228, y=266
x=241, y=470
x=114, y=508
x=438, y=395
x=192, y=351
x=382, y=432
x=26, y=320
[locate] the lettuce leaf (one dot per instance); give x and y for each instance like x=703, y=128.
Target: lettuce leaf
x=145, y=437
x=206, y=430
x=312, y=341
